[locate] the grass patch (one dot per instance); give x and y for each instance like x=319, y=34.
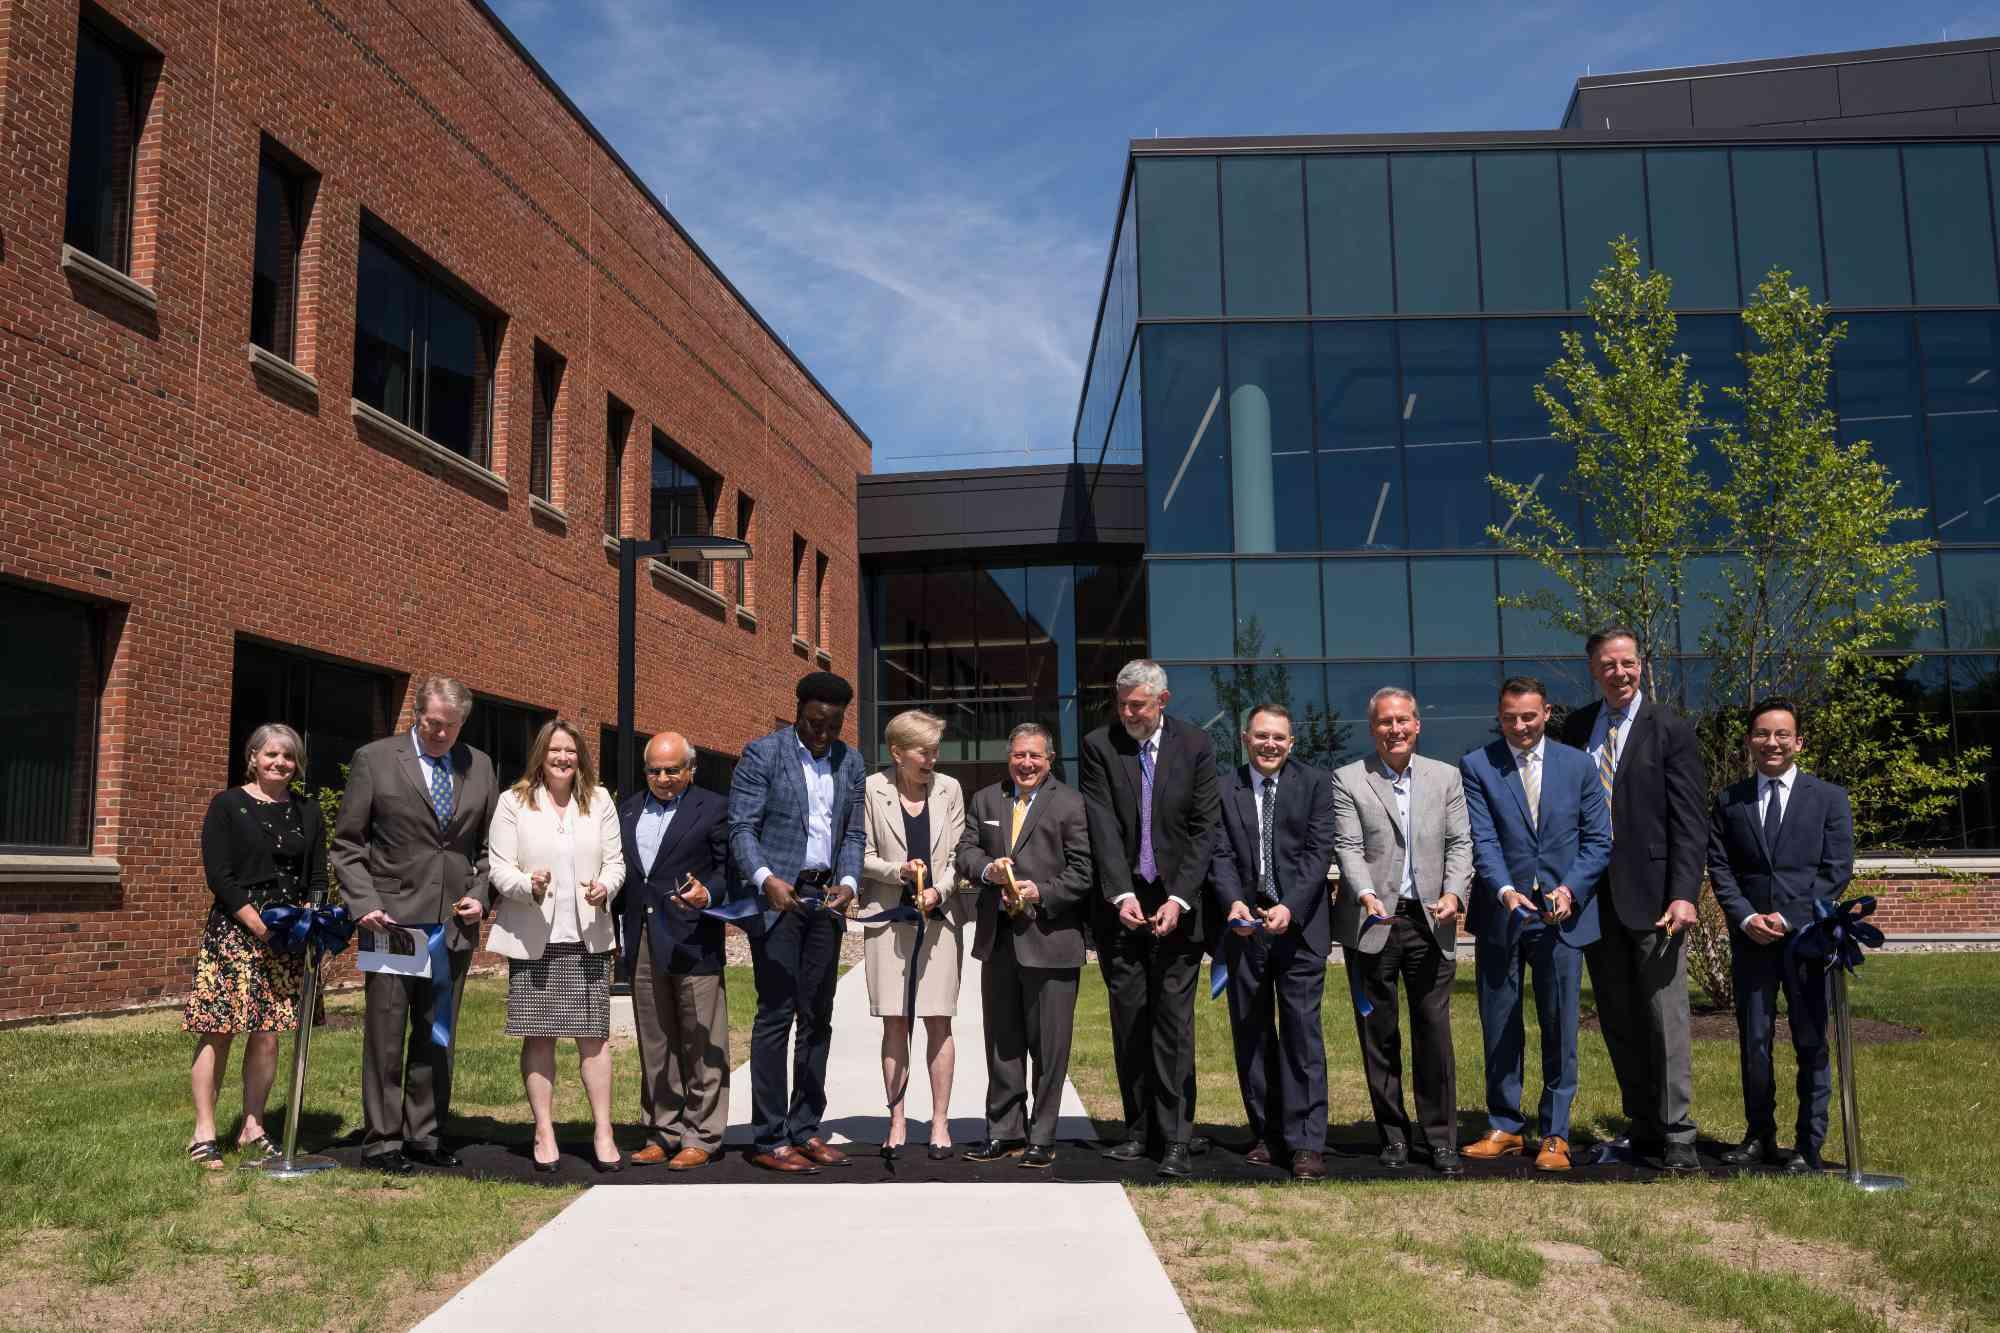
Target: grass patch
x=1503, y=1260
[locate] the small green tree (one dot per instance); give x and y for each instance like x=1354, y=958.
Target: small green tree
x=1318, y=733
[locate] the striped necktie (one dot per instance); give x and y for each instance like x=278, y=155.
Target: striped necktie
x=1607, y=755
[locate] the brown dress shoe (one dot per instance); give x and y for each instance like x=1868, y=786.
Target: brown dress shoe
x=687, y=1159
x=1259, y=1155
x=650, y=1155
x=823, y=1153
x=1554, y=1155
x=1308, y=1166
x=787, y=1159
x=1494, y=1143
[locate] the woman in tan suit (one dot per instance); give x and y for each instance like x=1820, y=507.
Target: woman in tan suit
x=557, y=864
x=915, y=817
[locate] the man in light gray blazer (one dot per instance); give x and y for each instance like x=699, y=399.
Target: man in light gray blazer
x=1404, y=850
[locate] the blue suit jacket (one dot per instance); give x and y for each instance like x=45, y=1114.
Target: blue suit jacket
x=1814, y=857
x=684, y=942
x=768, y=808
x=1570, y=844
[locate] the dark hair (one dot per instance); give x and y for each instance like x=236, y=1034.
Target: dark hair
x=1523, y=685
x=1274, y=709
x=823, y=687
x=1774, y=703
x=1604, y=636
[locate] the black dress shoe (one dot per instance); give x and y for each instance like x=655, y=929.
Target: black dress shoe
x=1753, y=1152
x=1039, y=1157
x=994, y=1150
x=1445, y=1161
x=1800, y=1163
x=1395, y=1154
x=1197, y=1145
x=938, y=1152
x=1679, y=1157
x=610, y=1168
x=1175, y=1165
x=1131, y=1150
x=438, y=1156
x=390, y=1164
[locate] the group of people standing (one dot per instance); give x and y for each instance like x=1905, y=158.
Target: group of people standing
x=1155, y=858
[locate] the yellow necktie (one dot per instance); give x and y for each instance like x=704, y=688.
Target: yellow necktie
x=1020, y=813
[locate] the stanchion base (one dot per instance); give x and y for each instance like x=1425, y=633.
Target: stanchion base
x=1873, y=1184
x=305, y=1164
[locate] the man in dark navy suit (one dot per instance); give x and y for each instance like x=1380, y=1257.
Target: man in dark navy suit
x=1777, y=841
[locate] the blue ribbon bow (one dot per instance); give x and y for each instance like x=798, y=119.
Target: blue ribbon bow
x=325, y=930
x=1835, y=938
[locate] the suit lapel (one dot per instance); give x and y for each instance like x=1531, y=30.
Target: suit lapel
x=406, y=760
x=795, y=773
x=1028, y=821
x=684, y=819
x=1385, y=792
x=890, y=822
x=1510, y=777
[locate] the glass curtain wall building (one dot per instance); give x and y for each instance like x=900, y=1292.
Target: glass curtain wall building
x=1317, y=350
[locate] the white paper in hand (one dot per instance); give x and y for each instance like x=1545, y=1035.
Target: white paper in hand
x=396, y=950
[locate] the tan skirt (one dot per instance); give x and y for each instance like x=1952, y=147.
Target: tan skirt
x=885, y=951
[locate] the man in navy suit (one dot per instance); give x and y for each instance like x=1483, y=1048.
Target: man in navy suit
x=796, y=834
x=1777, y=841
x=1541, y=839
x=676, y=839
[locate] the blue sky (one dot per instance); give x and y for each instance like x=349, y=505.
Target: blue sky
x=919, y=196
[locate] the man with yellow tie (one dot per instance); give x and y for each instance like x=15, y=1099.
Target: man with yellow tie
x=1027, y=845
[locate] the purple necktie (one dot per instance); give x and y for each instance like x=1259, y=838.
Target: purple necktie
x=1149, y=869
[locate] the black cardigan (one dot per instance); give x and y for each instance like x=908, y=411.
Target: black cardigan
x=236, y=851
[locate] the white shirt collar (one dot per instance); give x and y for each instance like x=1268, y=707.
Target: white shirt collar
x=1627, y=713
x=1154, y=739
x=810, y=757
x=1783, y=779
x=1258, y=778
x=1533, y=753
x=423, y=756
x=1390, y=774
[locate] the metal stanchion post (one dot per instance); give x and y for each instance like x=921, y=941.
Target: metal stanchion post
x=292, y=1166
x=1850, y=1115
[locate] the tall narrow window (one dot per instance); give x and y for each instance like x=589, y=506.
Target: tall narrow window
x=48, y=708
x=283, y=196
x=683, y=502
x=617, y=429
x=745, y=506
x=423, y=351
x=542, y=442
x=822, y=627
x=798, y=586
x=105, y=120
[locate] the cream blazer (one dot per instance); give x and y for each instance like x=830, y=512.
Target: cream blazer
x=522, y=840
x=883, y=857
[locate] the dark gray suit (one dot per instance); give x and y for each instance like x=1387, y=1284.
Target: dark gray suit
x=1027, y=986
x=389, y=853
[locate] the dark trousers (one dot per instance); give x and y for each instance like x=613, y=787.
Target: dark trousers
x=1557, y=974
x=1151, y=984
x=1029, y=1014
x=1760, y=973
x=796, y=962
x=1639, y=979
x=1274, y=1002
x=1410, y=955
x=405, y=1087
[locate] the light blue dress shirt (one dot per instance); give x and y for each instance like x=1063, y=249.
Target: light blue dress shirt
x=1399, y=783
x=655, y=818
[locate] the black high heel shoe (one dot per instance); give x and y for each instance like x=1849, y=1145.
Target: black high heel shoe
x=891, y=1151
x=610, y=1168
x=545, y=1168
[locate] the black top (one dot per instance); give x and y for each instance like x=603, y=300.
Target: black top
x=917, y=837
x=262, y=851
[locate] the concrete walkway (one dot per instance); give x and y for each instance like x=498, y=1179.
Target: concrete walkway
x=869, y=1257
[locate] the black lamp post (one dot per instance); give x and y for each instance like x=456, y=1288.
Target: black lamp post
x=631, y=550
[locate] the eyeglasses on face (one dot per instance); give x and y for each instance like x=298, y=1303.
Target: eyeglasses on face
x=664, y=771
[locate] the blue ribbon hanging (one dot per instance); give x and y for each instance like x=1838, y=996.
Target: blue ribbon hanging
x=1218, y=966
x=325, y=930
x=443, y=1018
x=889, y=916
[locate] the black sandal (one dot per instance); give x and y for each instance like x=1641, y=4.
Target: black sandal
x=206, y=1154
x=259, y=1151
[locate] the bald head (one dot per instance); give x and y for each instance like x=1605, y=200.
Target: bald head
x=669, y=765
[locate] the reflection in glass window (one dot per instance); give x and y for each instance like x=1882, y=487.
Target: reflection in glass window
x=1460, y=701
x=105, y=122
x=1520, y=231
x=1187, y=459
x=1444, y=442
x=1777, y=217
x=1367, y=608
x=1861, y=215
x=1271, y=438
x=1527, y=632
x=1566, y=682
x=1604, y=197
x=1347, y=218
x=1454, y=607
x=901, y=631
x=1951, y=224
x=1000, y=616
x=683, y=497
x=422, y=355
x=1693, y=236
x=950, y=658
x=1360, y=417
x=1922, y=638
x=1051, y=631
x=1180, y=260
x=1191, y=608
x=1110, y=620
x=1437, y=263
x=1206, y=697
x=1264, y=236
x=1277, y=608
x=1972, y=598
x=1705, y=585
x=274, y=270
x=1962, y=414
x=1519, y=353
x=1975, y=694
x=1875, y=390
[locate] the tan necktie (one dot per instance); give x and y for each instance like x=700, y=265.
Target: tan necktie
x=1531, y=787
x=1020, y=813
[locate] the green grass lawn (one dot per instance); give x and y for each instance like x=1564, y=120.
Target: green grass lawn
x=1760, y=1254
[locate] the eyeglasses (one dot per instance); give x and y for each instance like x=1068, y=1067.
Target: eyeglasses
x=666, y=772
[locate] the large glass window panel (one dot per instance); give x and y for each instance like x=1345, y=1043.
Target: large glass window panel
x=1861, y=215
x=900, y=632
x=457, y=377
x=1277, y=608
x=1349, y=687
x=1877, y=393
x=1777, y=217
x=1110, y=621
x=1000, y=611
x=1922, y=638
x=1437, y=260
x=1566, y=683
x=1347, y=219
x=1520, y=231
x=1604, y=197
x=1051, y=631
x=1459, y=702
x=1951, y=224
x=1367, y=608
x=103, y=150
x=682, y=503
x=1519, y=353
x=1317, y=735
x=1962, y=382
x=1271, y=438
x=1208, y=697
x=48, y=707
x=1527, y=632
x=1187, y=429
x=1713, y=344
x=1972, y=598
x=951, y=652
x=274, y=269
x=1180, y=257
x=1693, y=233
x=506, y=732
x=389, y=300
x=1191, y=607
x=1359, y=417
x=1975, y=690
x=1263, y=236
x=1453, y=607
x=1705, y=585
x=1444, y=419
x=336, y=709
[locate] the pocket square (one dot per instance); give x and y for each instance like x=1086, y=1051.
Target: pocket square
x=994, y=822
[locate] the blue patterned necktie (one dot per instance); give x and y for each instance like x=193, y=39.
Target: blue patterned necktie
x=441, y=790
x=1149, y=869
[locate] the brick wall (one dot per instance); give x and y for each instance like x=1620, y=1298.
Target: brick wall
x=149, y=466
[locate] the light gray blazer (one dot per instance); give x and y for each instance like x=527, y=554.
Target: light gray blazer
x=1368, y=847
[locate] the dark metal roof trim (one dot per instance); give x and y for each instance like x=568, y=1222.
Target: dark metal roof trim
x=1830, y=132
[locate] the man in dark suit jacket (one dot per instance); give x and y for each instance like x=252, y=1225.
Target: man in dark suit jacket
x=1541, y=837
x=796, y=834
x=1649, y=763
x=1777, y=842
x=1270, y=869
x=1149, y=784
x=675, y=833
x=409, y=848
x=1031, y=947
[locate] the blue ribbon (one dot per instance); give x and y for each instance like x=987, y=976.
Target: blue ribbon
x=1218, y=966
x=325, y=930
x=442, y=1015
x=1836, y=937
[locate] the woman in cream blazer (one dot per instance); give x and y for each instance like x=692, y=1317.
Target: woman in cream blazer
x=557, y=862
x=914, y=803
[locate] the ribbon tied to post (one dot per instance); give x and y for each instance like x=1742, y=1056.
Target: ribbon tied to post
x=324, y=930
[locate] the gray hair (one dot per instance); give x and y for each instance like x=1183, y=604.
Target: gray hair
x=913, y=728
x=1393, y=692
x=1032, y=729
x=1142, y=673
x=264, y=735
x=447, y=690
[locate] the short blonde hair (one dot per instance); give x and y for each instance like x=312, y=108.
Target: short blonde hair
x=913, y=728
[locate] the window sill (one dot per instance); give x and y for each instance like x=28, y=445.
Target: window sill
x=663, y=570
x=746, y=616
x=611, y=543
x=383, y=424
x=55, y=868
x=548, y=511
x=90, y=269
x=1886, y=865
x=287, y=375
x=801, y=647
x=824, y=657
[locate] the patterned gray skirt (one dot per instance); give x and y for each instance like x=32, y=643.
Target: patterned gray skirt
x=564, y=993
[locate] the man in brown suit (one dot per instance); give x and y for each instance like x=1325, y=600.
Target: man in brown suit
x=1037, y=828
x=409, y=848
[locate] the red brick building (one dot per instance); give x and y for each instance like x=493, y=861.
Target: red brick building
x=333, y=344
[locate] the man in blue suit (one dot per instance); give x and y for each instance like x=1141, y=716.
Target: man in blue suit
x=1541, y=839
x=795, y=834
x=1777, y=841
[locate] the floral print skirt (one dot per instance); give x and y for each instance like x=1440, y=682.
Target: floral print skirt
x=242, y=985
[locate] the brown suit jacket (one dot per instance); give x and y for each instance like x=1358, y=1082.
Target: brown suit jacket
x=1054, y=851
x=388, y=851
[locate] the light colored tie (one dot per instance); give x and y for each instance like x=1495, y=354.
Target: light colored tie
x=1607, y=756
x=1531, y=787
x=1020, y=814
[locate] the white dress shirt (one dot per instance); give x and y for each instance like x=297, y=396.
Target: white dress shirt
x=429, y=764
x=1399, y=783
x=818, y=775
x=1524, y=759
x=1777, y=789
x=1599, y=728
x=566, y=927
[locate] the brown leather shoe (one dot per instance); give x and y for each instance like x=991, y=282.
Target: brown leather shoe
x=1494, y=1143
x=1259, y=1155
x=823, y=1153
x=787, y=1159
x=687, y=1159
x=650, y=1155
x=1554, y=1155
x=1308, y=1166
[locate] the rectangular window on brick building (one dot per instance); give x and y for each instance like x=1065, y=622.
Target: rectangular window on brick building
x=284, y=196
x=607, y=759
x=822, y=627
x=336, y=707
x=506, y=731
x=745, y=589
x=106, y=118
x=424, y=349
x=48, y=714
x=542, y=446
x=683, y=502
x=617, y=429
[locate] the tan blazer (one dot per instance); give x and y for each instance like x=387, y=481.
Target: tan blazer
x=524, y=840
x=883, y=856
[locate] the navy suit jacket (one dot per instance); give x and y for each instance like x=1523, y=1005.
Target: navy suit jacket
x=768, y=807
x=1301, y=844
x=1569, y=845
x=1814, y=857
x=684, y=942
